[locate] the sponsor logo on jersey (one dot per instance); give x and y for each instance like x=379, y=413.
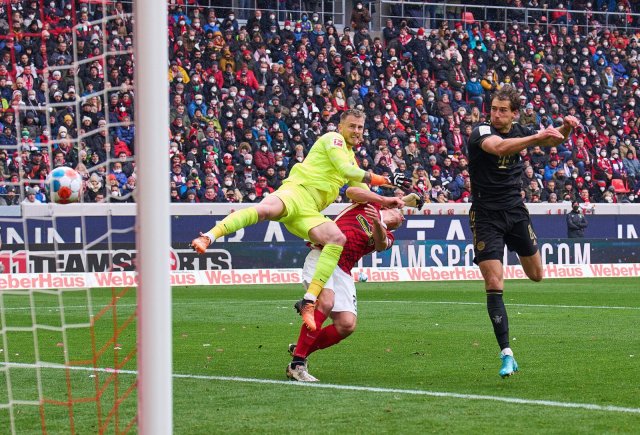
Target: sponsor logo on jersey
x=337, y=142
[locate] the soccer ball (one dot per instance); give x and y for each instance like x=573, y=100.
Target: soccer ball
x=363, y=277
x=65, y=185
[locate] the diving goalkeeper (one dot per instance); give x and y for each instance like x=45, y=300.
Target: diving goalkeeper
x=311, y=186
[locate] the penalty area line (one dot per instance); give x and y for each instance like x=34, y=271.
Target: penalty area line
x=511, y=400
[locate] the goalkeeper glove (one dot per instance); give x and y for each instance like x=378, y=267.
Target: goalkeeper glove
x=419, y=201
x=398, y=179
x=414, y=199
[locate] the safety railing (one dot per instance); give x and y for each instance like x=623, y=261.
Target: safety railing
x=430, y=15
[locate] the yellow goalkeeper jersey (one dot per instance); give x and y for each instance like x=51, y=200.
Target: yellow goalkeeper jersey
x=329, y=165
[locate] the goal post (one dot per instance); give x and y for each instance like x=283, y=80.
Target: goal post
x=153, y=222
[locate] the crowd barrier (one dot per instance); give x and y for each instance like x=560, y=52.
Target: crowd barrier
x=68, y=246
x=43, y=281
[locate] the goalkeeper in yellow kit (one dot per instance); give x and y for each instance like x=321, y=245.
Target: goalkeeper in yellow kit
x=311, y=186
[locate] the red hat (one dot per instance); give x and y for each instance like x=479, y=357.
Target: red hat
x=434, y=167
x=246, y=52
x=579, y=180
x=287, y=23
x=229, y=169
x=261, y=178
x=421, y=31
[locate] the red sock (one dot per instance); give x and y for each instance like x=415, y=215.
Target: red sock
x=328, y=337
x=306, y=337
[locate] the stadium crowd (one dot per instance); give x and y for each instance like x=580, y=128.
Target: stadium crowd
x=249, y=98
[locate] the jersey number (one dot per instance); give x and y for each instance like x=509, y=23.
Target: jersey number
x=505, y=161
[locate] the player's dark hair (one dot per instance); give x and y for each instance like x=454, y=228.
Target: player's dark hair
x=510, y=94
x=356, y=113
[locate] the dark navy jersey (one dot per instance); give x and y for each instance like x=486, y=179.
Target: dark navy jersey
x=495, y=181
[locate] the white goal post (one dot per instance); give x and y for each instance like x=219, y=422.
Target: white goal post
x=155, y=388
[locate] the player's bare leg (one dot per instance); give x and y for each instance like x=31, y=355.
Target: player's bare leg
x=532, y=266
x=331, y=238
x=492, y=272
x=269, y=208
x=345, y=323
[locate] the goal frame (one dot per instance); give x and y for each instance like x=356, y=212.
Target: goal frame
x=153, y=224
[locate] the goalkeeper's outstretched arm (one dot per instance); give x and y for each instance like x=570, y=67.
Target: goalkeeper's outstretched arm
x=360, y=195
x=353, y=173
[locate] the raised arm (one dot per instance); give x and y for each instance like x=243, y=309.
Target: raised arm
x=380, y=238
x=359, y=195
x=351, y=172
x=498, y=146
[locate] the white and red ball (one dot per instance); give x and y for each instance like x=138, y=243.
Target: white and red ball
x=65, y=185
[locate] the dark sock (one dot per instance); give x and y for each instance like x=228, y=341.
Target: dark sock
x=498, y=315
x=297, y=361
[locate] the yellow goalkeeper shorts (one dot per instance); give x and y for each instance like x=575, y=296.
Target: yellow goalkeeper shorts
x=302, y=210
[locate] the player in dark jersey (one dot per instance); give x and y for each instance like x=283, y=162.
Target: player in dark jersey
x=367, y=227
x=498, y=216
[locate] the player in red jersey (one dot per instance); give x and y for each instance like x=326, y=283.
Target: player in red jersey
x=367, y=227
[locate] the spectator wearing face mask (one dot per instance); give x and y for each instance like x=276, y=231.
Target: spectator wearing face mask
x=263, y=158
x=576, y=222
x=632, y=166
x=360, y=16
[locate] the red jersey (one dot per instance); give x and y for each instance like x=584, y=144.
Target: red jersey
x=358, y=228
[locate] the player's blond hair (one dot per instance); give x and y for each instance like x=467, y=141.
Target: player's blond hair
x=356, y=113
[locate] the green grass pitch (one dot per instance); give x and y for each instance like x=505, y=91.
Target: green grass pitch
x=423, y=359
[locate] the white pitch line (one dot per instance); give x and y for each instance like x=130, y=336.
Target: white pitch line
x=287, y=301
x=511, y=400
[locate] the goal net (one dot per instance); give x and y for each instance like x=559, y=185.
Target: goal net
x=69, y=348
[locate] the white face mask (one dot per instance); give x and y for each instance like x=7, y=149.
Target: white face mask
x=252, y=196
x=264, y=149
x=228, y=183
x=587, y=178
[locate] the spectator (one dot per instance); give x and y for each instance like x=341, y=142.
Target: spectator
x=360, y=17
x=10, y=197
x=632, y=167
x=231, y=81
